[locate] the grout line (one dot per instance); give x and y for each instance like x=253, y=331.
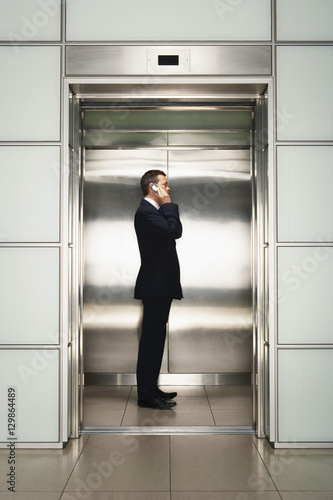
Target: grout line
x=209, y=405
x=262, y=459
x=170, y=466
x=76, y=462
x=128, y=398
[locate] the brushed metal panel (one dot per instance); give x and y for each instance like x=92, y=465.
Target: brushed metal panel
x=208, y=166
x=106, y=60
x=181, y=91
x=186, y=119
x=110, y=350
x=107, y=138
x=175, y=379
x=225, y=138
x=211, y=330
x=202, y=348
x=111, y=317
x=231, y=60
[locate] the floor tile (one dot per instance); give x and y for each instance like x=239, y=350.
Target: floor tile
x=298, y=469
x=115, y=397
x=186, y=390
x=32, y=495
x=230, y=397
x=230, y=495
x=192, y=403
x=174, y=417
x=182, y=390
x=137, y=495
x=217, y=463
x=233, y=417
x=102, y=416
x=148, y=417
x=103, y=406
x=306, y=495
x=42, y=470
x=186, y=394
x=228, y=390
x=122, y=463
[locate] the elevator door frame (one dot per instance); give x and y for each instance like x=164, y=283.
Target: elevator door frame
x=80, y=91
x=207, y=355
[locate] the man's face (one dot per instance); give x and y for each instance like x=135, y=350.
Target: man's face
x=163, y=183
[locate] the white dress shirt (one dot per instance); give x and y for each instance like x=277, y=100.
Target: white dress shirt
x=153, y=202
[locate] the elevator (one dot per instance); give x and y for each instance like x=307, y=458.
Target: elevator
x=208, y=146
x=206, y=155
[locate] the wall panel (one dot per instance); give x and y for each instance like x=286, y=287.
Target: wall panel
x=175, y=20
x=305, y=395
x=29, y=295
x=304, y=93
x=34, y=376
x=304, y=186
x=30, y=20
x=305, y=281
x=31, y=109
x=29, y=194
x=301, y=20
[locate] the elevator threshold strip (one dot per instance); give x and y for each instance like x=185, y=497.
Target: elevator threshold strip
x=168, y=430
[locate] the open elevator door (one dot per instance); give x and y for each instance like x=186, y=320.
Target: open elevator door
x=206, y=150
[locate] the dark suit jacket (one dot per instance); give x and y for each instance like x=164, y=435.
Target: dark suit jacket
x=157, y=231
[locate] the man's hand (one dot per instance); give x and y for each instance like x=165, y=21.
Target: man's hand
x=163, y=196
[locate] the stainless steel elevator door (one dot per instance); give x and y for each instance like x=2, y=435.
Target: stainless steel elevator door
x=111, y=317
x=211, y=329
x=209, y=173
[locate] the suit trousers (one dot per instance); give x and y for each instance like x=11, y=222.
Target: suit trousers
x=151, y=347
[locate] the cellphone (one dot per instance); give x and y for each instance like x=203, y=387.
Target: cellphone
x=154, y=188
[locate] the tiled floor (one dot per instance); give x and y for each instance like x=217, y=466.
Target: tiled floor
x=169, y=467
x=210, y=467
x=196, y=405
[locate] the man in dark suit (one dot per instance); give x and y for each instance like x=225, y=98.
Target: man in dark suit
x=157, y=226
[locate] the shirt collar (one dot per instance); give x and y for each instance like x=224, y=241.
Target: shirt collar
x=153, y=202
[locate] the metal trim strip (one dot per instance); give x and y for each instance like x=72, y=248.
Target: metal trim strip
x=171, y=379
x=169, y=430
x=92, y=60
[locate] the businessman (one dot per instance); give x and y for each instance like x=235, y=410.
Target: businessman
x=157, y=226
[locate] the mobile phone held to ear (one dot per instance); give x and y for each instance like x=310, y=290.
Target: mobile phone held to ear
x=154, y=188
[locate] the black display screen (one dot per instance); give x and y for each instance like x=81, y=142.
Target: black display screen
x=166, y=60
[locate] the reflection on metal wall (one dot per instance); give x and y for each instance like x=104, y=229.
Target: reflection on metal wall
x=210, y=330
x=111, y=317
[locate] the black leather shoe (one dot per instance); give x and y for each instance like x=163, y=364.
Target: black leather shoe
x=165, y=395
x=157, y=403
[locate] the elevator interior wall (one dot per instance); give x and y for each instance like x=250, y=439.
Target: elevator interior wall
x=206, y=153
